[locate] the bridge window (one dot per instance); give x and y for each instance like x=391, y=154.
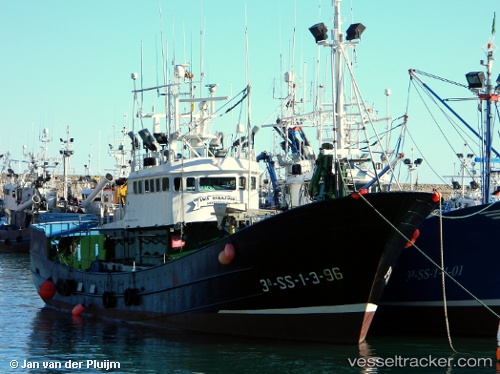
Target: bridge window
x=217, y=184
x=242, y=183
x=177, y=184
x=165, y=184
x=190, y=184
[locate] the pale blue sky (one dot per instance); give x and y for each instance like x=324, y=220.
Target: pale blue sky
x=69, y=62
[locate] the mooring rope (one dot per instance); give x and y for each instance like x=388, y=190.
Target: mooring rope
x=462, y=216
x=443, y=279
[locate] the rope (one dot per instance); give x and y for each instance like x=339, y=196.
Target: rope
x=431, y=260
x=420, y=72
x=467, y=216
x=443, y=279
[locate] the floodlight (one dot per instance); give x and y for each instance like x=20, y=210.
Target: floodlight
x=319, y=31
x=475, y=79
x=354, y=31
x=161, y=138
x=147, y=139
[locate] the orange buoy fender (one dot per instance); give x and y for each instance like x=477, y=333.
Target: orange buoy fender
x=223, y=260
x=47, y=290
x=227, y=255
x=413, y=238
x=436, y=196
x=229, y=251
x=78, y=309
x=355, y=195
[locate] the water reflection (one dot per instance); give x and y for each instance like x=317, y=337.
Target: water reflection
x=29, y=331
x=60, y=336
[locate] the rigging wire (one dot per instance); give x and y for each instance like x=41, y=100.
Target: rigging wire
x=361, y=104
x=420, y=72
x=418, y=88
x=460, y=132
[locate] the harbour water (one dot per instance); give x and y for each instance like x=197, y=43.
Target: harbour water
x=44, y=340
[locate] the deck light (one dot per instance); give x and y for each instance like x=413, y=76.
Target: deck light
x=319, y=31
x=147, y=140
x=354, y=31
x=161, y=138
x=475, y=79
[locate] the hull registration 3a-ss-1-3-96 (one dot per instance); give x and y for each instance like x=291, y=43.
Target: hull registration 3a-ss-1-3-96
x=310, y=278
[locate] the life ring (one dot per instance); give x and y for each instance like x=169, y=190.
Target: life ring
x=131, y=297
x=108, y=300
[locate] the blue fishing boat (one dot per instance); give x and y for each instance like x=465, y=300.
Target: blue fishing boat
x=447, y=282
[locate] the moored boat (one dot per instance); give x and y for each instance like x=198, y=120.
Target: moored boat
x=190, y=247
x=25, y=194
x=34, y=193
x=448, y=283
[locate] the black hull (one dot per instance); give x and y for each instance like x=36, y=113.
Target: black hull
x=413, y=301
x=312, y=273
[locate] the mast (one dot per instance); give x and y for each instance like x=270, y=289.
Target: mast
x=66, y=152
x=489, y=94
x=337, y=87
x=339, y=57
x=490, y=98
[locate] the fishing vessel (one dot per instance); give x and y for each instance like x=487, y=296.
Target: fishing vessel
x=25, y=194
x=446, y=284
x=346, y=126
x=37, y=192
x=190, y=247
